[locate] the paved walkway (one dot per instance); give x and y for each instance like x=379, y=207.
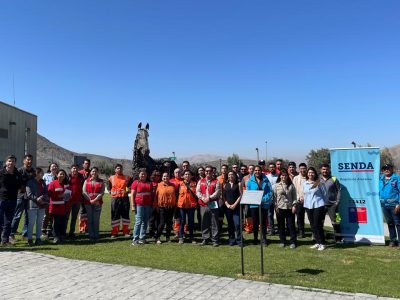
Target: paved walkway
x=27, y=275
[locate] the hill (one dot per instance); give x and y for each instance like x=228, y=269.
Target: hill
x=48, y=151
x=395, y=151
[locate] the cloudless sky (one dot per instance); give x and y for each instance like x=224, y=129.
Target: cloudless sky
x=211, y=77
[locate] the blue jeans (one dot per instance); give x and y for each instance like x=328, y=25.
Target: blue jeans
x=233, y=218
x=190, y=213
x=93, y=215
x=7, y=209
x=36, y=216
x=393, y=222
x=22, y=206
x=141, y=220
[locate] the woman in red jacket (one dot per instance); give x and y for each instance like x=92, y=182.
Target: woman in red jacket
x=59, y=193
x=93, y=191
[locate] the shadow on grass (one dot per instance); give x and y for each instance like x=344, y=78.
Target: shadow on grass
x=30, y=249
x=310, y=271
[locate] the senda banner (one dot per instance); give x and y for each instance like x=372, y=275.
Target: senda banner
x=357, y=170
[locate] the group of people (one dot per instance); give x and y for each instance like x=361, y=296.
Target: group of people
x=165, y=202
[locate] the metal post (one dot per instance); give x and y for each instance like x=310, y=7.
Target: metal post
x=266, y=157
x=261, y=243
x=241, y=237
x=258, y=156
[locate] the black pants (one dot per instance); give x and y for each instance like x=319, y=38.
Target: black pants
x=120, y=210
x=316, y=216
x=256, y=221
x=300, y=213
x=286, y=218
x=154, y=222
x=166, y=215
x=59, y=226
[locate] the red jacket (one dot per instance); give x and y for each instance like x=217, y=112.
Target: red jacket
x=144, y=192
x=93, y=189
x=211, y=189
x=57, y=201
x=76, y=184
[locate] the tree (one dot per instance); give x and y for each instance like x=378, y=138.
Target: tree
x=318, y=157
x=234, y=160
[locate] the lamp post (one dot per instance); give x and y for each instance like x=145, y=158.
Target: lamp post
x=266, y=157
x=354, y=144
x=258, y=156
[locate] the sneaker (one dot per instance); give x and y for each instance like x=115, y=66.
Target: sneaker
x=30, y=243
x=321, y=247
x=292, y=246
x=127, y=235
x=12, y=239
x=203, y=243
x=215, y=244
x=45, y=237
x=135, y=243
x=264, y=242
x=180, y=241
x=193, y=242
x=142, y=241
x=112, y=237
x=282, y=245
x=38, y=242
x=158, y=242
x=315, y=246
x=391, y=244
x=56, y=241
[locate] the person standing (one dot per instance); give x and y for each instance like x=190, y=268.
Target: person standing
x=59, y=194
x=141, y=202
x=76, y=181
x=10, y=183
x=314, y=203
x=176, y=180
x=222, y=179
x=85, y=172
x=208, y=190
x=118, y=185
x=389, y=194
x=333, y=188
x=22, y=202
x=292, y=170
x=259, y=182
x=154, y=221
x=166, y=200
x=47, y=226
x=272, y=177
x=187, y=203
x=93, y=192
x=231, y=195
x=38, y=200
x=285, y=201
x=298, y=182
x=248, y=221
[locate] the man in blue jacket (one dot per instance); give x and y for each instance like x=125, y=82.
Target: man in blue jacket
x=389, y=194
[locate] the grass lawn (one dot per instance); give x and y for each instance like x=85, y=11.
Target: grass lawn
x=348, y=268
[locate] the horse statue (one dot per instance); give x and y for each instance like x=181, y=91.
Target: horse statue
x=142, y=158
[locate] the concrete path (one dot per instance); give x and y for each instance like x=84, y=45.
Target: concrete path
x=27, y=275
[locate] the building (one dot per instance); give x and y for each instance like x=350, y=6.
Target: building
x=18, y=133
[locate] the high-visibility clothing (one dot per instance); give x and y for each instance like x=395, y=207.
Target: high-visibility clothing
x=212, y=187
x=57, y=191
x=166, y=195
x=119, y=184
x=93, y=189
x=186, y=197
x=144, y=192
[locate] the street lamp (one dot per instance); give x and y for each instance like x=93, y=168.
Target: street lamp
x=258, y=156
x=354, y=143
x=266, y=152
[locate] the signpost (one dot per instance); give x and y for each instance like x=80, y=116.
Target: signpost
x=251, y=198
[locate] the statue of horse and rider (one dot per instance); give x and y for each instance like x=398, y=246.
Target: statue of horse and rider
x=142, y=158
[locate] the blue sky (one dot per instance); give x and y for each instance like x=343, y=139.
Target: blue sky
x=211, y=77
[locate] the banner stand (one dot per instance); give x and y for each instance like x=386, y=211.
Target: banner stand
x=251, y=198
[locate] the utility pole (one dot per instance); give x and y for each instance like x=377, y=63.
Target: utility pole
x=258, y=155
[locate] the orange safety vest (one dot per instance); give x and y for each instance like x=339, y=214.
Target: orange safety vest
x=119, y=184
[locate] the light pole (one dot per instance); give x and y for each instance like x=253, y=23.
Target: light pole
x=266, y=159
x=258, y=156
x=354, y=143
